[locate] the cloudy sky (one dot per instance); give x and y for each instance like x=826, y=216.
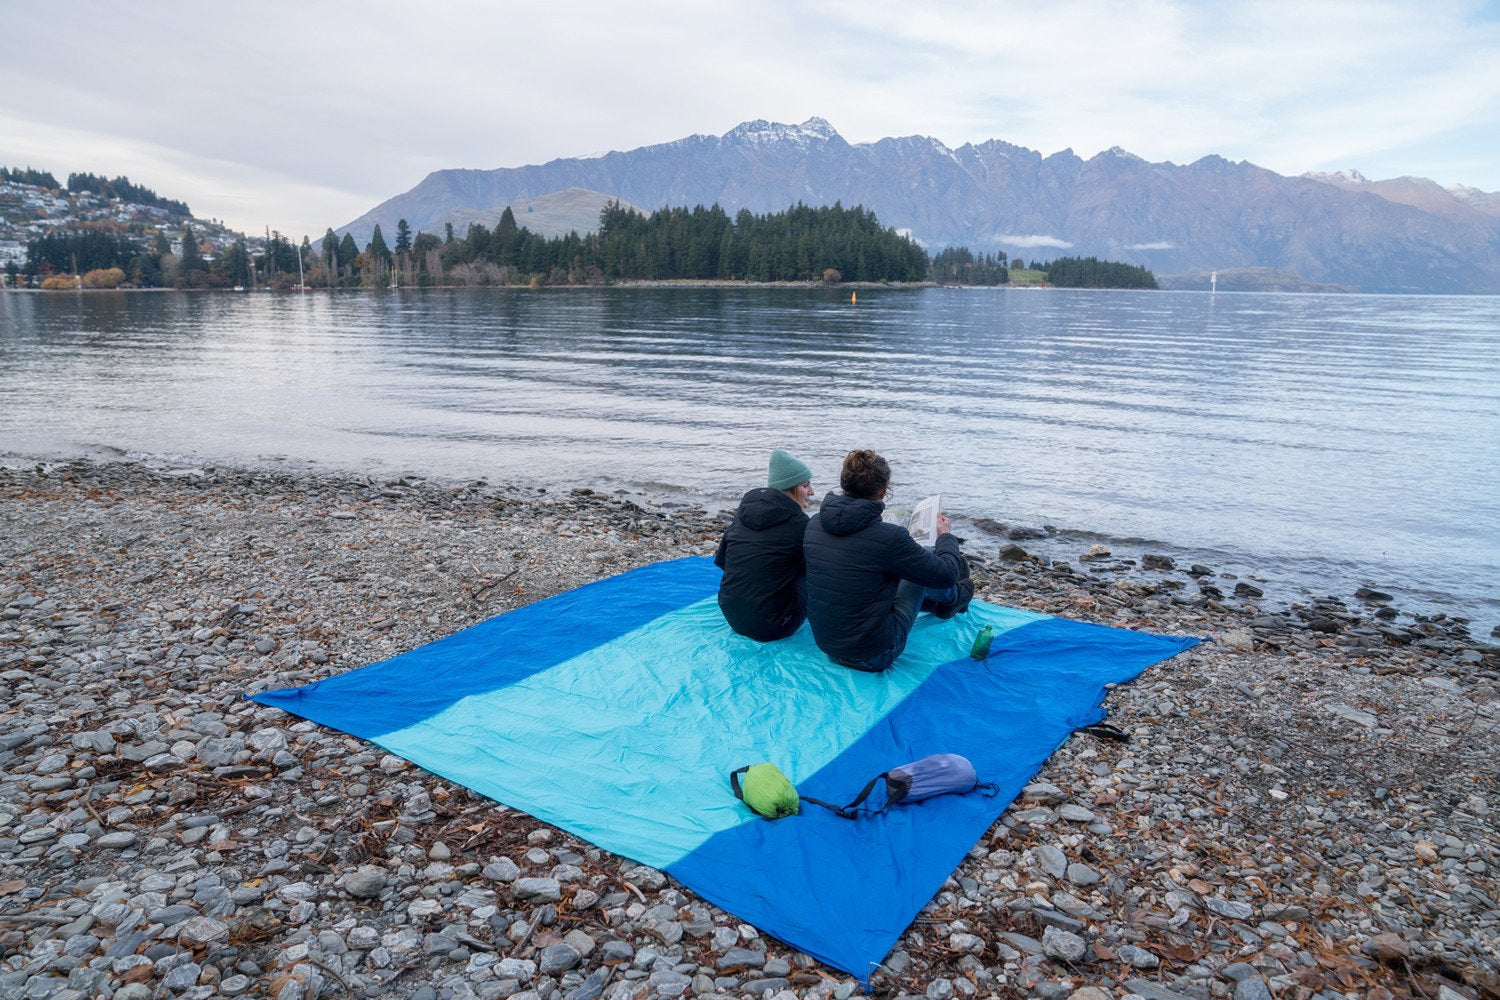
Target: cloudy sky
x=303, y=116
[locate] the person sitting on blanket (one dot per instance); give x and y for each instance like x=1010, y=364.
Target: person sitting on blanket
x=867, y=579
x=764, y=590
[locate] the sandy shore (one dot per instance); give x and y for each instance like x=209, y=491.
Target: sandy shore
x=1306, y=807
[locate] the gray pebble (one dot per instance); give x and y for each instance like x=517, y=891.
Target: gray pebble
x=539, y=890
x=1063, y=945
x=558, y=958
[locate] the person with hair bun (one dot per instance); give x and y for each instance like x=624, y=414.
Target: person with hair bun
x=763, y=593
x=866, y=579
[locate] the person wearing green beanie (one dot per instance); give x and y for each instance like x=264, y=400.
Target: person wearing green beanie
x=763, y=593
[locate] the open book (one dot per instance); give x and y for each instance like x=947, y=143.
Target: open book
x=922, y=522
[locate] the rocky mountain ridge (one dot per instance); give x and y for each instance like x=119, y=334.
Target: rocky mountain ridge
x=1389, y=236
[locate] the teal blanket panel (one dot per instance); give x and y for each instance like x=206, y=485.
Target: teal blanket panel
x=616, y=711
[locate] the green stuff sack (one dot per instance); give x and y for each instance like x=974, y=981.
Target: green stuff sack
x=765, y=790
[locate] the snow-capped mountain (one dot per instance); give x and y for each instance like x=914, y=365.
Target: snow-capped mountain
x=1340, y=229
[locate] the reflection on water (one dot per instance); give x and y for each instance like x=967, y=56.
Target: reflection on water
x=1351, y=438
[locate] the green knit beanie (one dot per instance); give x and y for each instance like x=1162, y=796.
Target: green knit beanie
x=786, y=471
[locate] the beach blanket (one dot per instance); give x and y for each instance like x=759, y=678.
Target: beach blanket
x=616, y=712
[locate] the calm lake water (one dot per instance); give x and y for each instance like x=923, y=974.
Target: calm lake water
x=1320, y=442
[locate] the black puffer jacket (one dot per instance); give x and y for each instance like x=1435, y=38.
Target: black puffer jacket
x=855, y=562
x=764, y=590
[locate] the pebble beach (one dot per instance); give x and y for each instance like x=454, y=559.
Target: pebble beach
x=1306, y=806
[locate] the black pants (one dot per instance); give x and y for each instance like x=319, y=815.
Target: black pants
x=911, y=598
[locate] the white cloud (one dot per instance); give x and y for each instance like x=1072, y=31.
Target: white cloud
x=308, y=114
x=1158, y=245
x=1026, y=242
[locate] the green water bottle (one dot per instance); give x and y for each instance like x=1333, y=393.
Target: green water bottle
x=981, y=647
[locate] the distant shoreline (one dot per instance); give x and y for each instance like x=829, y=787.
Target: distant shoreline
x=641, y=283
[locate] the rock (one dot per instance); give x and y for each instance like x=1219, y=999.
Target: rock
x=366, y=882
x=644, y=877
x=1152, y=560
x=1229, y=909
x=616, y=951
x=591, y=988
x=1095, y=552
x=1140, y=958
x=1075, y=813
x=1388, y=948
x=1053, y=861
x=1062, y=945
x=117, y=840
x=181, y=978
x=1352, y=714
x=1148, y=990
x=1251, y=988
x=580, y=941
x=1090, y=993
x=558, y=958
x=537, y=890
x=1045, y=793
x=1023, y=534
x=1082, y=875
x=1372, y=595
x=736, y=959
x=1243, y=589
x=502, y=870
x=439, y=852
x=1014, y=553
x=521, y=969
x=963, y=943
x=202, y=930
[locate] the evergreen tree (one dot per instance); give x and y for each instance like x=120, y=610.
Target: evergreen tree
x=403, y=237
x=377, y=249
x=190, y=259
x=347, y=252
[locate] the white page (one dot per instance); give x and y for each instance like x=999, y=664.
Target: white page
x=923, y=521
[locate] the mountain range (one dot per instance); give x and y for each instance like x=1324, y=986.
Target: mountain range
x=1318, y=230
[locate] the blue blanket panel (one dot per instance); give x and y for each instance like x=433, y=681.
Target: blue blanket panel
x=615, y=711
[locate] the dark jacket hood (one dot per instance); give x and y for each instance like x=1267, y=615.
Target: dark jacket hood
x=765, y=508
x=844, y=515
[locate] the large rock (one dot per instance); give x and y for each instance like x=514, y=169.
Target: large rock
x=366, y=882
x=1062, y=945
x=537, y=890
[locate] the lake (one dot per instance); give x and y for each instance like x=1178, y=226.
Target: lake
x=1317, y=442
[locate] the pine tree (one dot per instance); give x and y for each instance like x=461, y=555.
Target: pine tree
x=191, y=259
x=376, y=248
x=347, y=252
x=403, y=236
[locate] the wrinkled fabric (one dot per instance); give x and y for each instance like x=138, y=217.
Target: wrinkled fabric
x=764, y=591
x=617, y=711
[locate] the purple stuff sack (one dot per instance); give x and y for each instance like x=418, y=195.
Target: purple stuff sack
x=939, y=774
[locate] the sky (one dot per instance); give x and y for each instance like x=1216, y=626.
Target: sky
x=298, y=117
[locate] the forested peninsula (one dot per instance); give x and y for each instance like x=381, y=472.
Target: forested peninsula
x=827, y=244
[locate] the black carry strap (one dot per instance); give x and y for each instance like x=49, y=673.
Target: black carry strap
x=851, y=810
x=734, y=781
x=1104, y=731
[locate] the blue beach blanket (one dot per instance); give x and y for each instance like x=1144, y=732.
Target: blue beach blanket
x=617, y=710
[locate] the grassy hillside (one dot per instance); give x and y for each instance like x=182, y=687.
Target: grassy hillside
x=551, y=215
